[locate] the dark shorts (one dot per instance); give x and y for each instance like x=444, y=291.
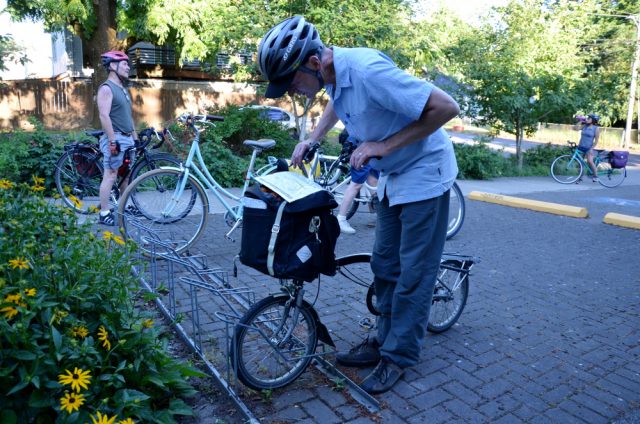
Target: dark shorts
x=359, y=176
x=584, y=149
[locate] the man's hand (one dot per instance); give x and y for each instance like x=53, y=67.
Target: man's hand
x=365, y=152
x=113, y=148
x=299, y=152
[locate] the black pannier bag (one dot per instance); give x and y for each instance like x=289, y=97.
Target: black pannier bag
x=293, y=240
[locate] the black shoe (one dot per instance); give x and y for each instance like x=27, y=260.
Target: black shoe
x=383, y=377
x=132, y=210
x=108, y=219
x=366, y=354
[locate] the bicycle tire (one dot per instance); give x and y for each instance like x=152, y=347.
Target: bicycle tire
x=331, y=174
x=610, y=177
x=263, y=355
x=457, y=211
x=566, y=170
x=447, y=302
x=151, y=162
x=147, y=211
x=78, y=174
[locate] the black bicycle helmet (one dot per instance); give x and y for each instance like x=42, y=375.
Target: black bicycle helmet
x=283, y=49
x=594, y=118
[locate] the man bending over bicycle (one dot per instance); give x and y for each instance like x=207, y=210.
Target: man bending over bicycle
x=399, y=117
x=589, y=135
x=114, y=107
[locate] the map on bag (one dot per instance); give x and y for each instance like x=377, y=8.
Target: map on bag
x=289, y=185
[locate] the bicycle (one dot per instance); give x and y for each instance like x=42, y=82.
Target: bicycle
x=172, y=201
x=78, y=172
x=569, y=168
x=332, y=173
x=276, y=339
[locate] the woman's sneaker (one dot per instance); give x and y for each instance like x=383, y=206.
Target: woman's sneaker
x=345, y=228
x=108, y=219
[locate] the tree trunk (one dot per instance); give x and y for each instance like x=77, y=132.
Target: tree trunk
x=519, y=138
x=103, y=39
x=632, y=88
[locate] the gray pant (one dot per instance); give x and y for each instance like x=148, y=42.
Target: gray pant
x=406, y=257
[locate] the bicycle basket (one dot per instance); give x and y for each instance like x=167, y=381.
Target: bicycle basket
x=618, y=158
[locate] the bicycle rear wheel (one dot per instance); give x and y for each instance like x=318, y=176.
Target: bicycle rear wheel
x=608, y=176
x=78, y=174
x=274, y=343
x=150, y=209
x=457, y=211
x=449, y=296
x=566, y=170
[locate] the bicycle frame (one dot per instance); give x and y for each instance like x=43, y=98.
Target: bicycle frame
x=194, y=166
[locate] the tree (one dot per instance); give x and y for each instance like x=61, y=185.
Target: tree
x=10, y=51
x=522, y=66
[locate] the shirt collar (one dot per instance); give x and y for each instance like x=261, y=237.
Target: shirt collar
x=343, y=79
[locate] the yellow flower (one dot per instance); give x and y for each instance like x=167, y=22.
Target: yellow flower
x=108, y=235
x=71, y=401
x=103, y=336
x=9, y=312
x=37, y=180
x=119, y=240
x=79, y=331
x=19, y=263
x=78, y=379
x=127, y=421
x=94, y=209
x=147, y=323
x=6, y=184
x=59, y=315
x=76, y=202
x=66, y=189
x=13, y=298
x=37, y=188
x=31, y=292
x=103, y=419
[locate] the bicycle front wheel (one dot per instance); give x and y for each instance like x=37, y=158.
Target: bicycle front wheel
x=566, y=170
x=153, y=161
x=608, y=176
x=274, y=343
x=78, y=175
x=457, y=210
x=155, y=208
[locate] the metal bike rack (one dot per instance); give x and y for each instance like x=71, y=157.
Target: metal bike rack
x=213, y=306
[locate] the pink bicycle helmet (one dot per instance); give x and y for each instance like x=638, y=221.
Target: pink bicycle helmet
x=112, y=56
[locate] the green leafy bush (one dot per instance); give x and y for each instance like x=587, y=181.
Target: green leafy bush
x=72, y=343
x=23, y=154
x=478, y=162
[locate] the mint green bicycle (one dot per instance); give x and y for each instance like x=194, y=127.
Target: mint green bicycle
x=570, y=168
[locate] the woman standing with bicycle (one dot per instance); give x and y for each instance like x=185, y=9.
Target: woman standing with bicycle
x=589, y=135
x=114, y=107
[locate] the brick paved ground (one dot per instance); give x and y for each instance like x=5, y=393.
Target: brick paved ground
x=551, y=331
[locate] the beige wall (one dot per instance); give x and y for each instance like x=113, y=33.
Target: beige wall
x=62, y=105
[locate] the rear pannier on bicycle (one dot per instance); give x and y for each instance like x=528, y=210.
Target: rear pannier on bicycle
x=289, y=239
x=618, y=158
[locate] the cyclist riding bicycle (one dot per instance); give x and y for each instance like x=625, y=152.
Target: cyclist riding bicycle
x=115, y=109
x=358, y=178
x=589, y=135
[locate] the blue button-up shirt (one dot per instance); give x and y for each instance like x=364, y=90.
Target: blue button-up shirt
x=375, y=99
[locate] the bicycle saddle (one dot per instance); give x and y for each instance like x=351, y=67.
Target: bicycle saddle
x=94, y=133
x=263, y=143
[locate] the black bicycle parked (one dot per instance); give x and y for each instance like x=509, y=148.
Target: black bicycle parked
x=79, y=170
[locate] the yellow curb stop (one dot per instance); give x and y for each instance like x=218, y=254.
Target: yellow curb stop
x=536, y=205
x=622, y=220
